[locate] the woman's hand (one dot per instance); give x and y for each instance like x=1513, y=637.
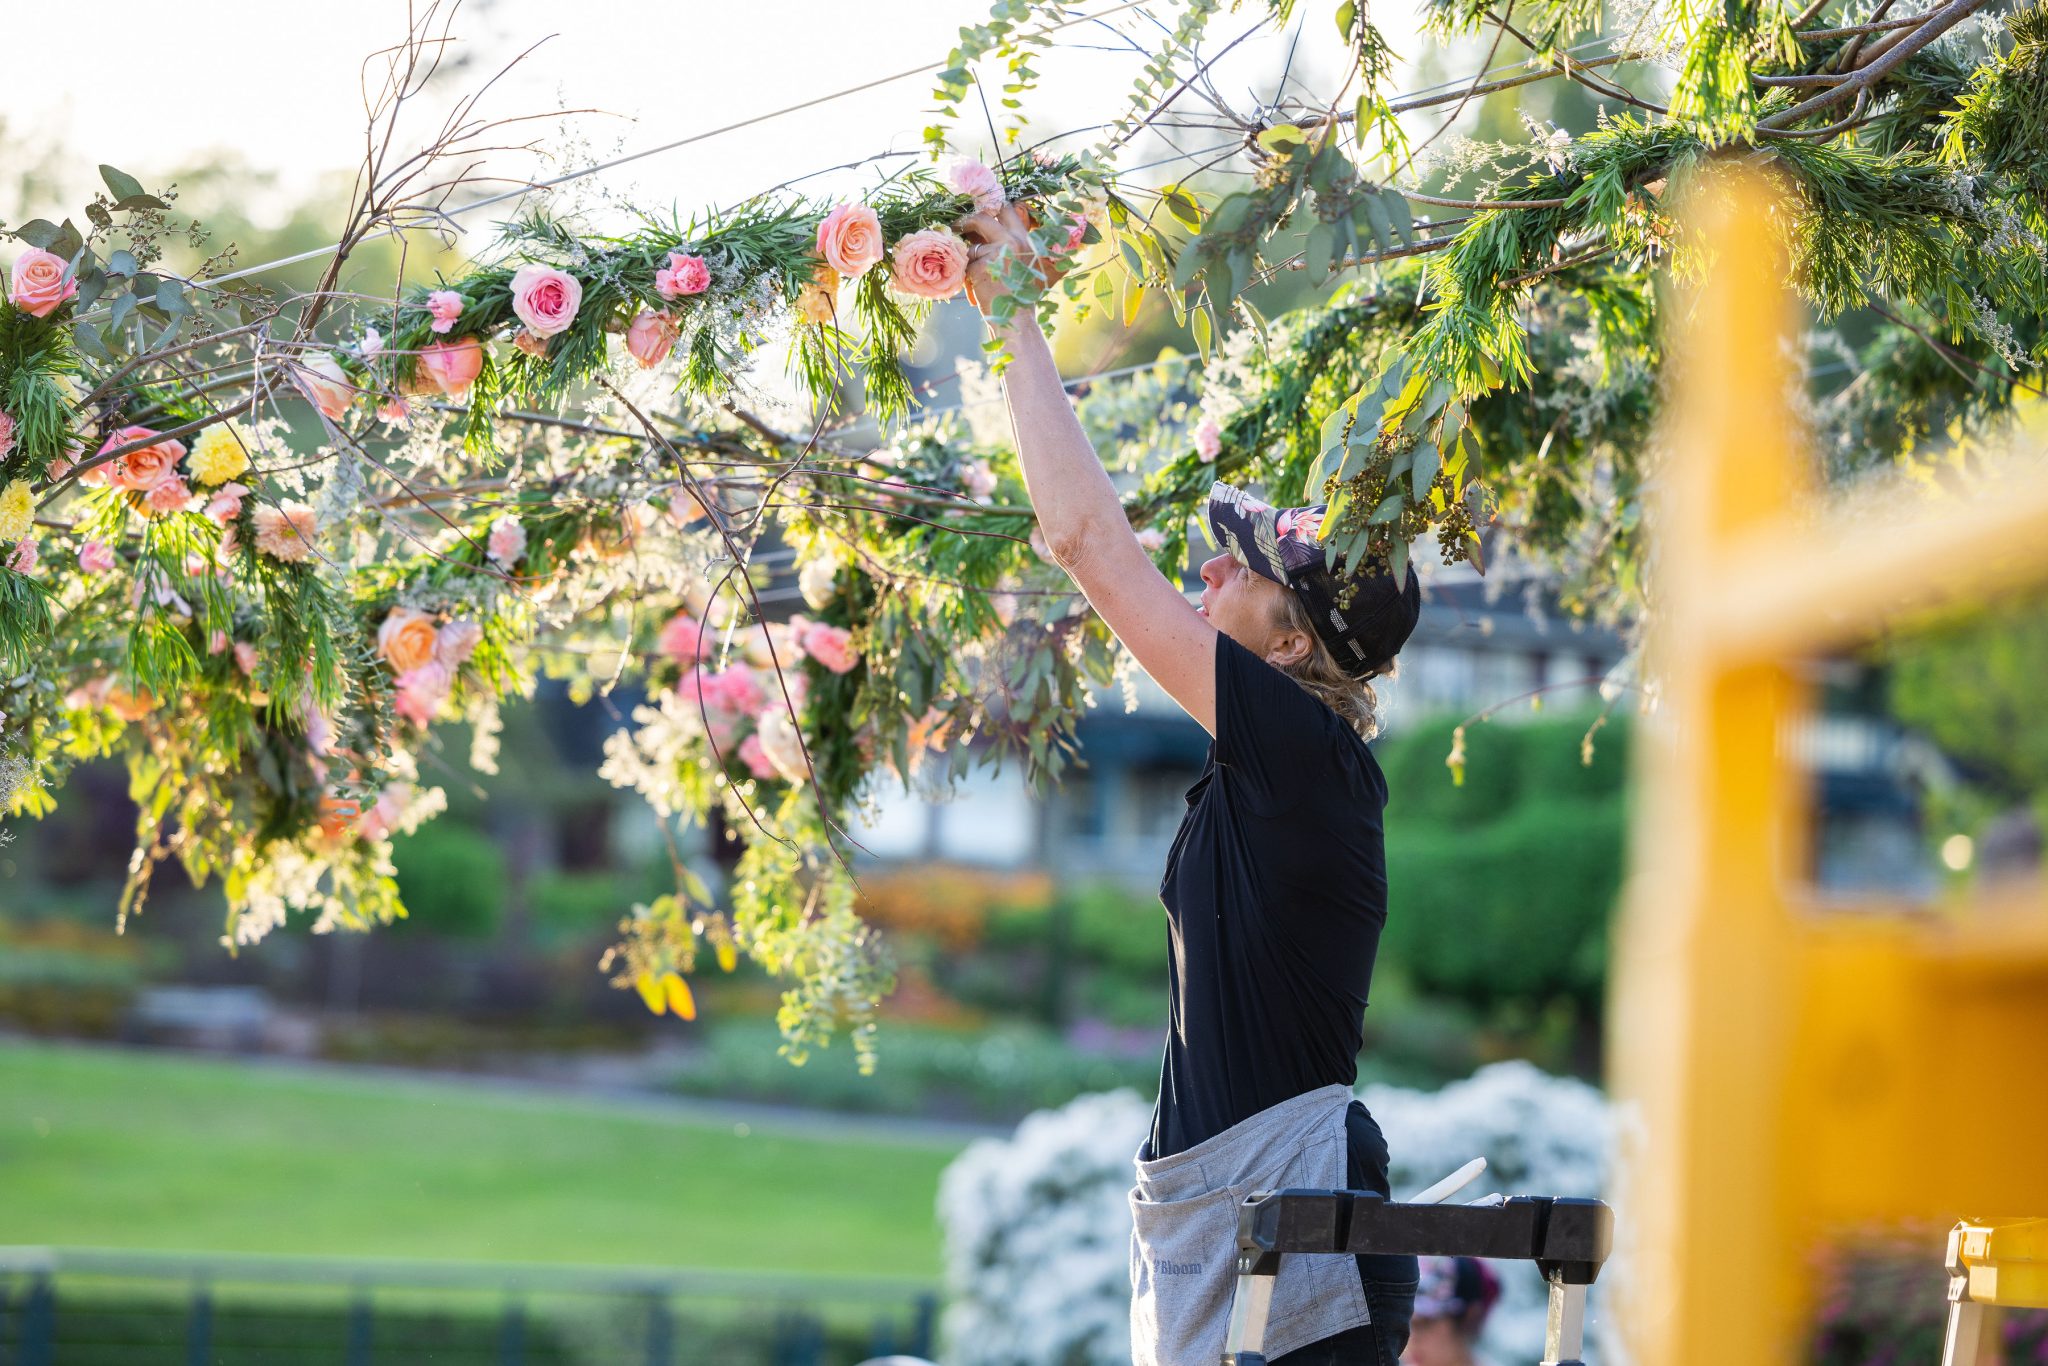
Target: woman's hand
x=993, y=237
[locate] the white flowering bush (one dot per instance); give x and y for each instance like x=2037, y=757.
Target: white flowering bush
x=1037, y=1229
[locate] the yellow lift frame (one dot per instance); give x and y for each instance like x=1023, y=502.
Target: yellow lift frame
x=1796, y=1071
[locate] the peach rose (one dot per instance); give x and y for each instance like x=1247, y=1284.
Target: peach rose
x=931, y=264
x=818, y=301
x=651, y=337
x=139, y=471
x=458, y=641
x=546, y=299
x=407, y=639
x=286, y=532
x=534, y=346
x=850, y=239
x=40, y=283
x=170, y=494
x=452, y=367
x=321, y=378
x=831, y=646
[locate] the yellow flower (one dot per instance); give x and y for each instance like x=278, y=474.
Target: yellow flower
x=17, y=512
x=218, y=455
x=68, y=387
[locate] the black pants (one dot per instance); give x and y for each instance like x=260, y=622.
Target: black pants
x=1388, y=1278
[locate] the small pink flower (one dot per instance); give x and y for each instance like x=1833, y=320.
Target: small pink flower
x=682, y=639
x=531, y=344
x=170, y=495
x=650, y=338
x=96, y=557
x=850, y=239
x=226, y=503
x=217, y=643
x=392, y=410
x=41, y=283
x=27, y=555
x=452, y=367
x=421, y=692
x=977, y=479
x=245, y=658
x=1151, y=540
x=446, y=306
x=372, y=344
x=321, y=378
x=545, y=298
x=507, y=541
x=782, y=745
x=6, y=435
x=931, y=264
x=756, y=758
x=61, y=466
x=682, y=275
x=458, y=642
x=965, y=175
x=831, y=646
x=1077, y=230
x=1208, y=439
x=733, y=690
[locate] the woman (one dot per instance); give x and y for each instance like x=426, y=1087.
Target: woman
x=1451, y=1304
x=1275, y=890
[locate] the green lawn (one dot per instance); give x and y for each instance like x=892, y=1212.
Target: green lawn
x=110, y=1149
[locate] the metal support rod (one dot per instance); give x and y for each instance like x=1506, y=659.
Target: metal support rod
x=1249, y=1309
x=1965, y=1329
x=1564, y=1328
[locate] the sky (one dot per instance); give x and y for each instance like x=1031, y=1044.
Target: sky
x=280, y=84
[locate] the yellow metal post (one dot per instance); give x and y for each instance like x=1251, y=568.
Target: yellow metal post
x=1794, y=1074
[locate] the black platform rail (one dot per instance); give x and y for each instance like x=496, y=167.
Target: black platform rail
x=1568, y=1239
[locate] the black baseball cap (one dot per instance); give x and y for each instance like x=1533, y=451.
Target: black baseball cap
x=1359, y=611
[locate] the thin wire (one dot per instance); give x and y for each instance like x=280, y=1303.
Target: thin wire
x=652, y=151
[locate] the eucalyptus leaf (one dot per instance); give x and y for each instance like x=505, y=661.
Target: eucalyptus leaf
x=39, y=233
x=1402, y=214
x=1423, y=471
x=1397, y=560
x=119, y=183
x=122, y=262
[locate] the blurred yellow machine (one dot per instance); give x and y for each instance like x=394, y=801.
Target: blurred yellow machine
x=1799, y=1072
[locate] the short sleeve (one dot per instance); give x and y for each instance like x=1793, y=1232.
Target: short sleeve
x=1274, y=739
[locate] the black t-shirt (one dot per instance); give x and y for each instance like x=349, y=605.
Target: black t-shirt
x=1275, y=893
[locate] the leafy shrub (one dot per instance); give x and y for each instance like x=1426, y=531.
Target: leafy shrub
x=452, y=879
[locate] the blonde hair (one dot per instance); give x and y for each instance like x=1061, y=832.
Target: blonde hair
x=1350, y=696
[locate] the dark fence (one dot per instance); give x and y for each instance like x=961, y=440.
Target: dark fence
x=88, y=1307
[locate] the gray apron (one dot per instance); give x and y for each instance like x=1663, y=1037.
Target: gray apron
x=1184, y=1235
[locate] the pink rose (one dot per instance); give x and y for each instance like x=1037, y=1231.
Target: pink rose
x=1077, y=229
x=27, y=555
x=96, y=557
x=40, y=283
x=452, y=367
x=322, y=380
x=831, y=646
x=682, y=639
x=139, y=471
x=965, y=175
x=756, y=758
x=782, y=745
x=1208, y=439
x=6, y=435
x=532, y=345
x=217, y=643
x=977, y=479
x=446, y=306
x=931, y=264
x=421, y=692
x=682, y=275
x=169, y=495
x=650, y=338
x=286, y=532
x=392, y=410
x=546, y=299
x=226, y=503
x=733, y=690
x=458, y=642
x=850, y=239
x=372, y=344
x=507, y=541
x=245, y=658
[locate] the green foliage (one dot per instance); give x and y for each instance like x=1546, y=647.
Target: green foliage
x=1500, y=889
x=1973, y=686
x=452, y=879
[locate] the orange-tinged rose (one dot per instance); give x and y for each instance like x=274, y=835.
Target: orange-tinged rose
x=407, y=639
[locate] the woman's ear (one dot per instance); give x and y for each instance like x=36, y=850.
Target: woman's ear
x=1288, y=648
